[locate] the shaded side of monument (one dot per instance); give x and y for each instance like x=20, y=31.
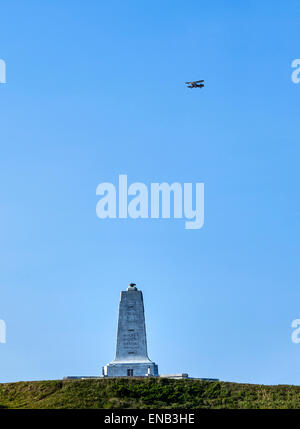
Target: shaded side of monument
x=131, y=352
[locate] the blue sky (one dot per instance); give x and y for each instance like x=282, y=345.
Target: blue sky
x=95, y=90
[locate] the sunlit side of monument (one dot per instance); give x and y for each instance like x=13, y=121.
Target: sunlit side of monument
x=131, y=353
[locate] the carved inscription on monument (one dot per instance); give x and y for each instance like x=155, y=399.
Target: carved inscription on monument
x=131, y=315
x=130, y=341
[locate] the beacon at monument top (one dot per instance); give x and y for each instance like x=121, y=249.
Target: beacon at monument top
x=132, y=286
x=131, y=352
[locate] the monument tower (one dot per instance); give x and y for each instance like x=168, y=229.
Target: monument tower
x=131, y=353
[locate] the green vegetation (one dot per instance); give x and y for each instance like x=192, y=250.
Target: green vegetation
x=145, y=393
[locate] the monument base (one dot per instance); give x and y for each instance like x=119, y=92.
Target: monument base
x=130, y=369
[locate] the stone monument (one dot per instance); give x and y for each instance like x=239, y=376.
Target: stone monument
x=131, y=353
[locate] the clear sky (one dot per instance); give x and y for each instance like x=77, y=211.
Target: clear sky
x=96, y=89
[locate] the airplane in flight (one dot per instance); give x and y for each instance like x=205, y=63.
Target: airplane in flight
x=195, y=84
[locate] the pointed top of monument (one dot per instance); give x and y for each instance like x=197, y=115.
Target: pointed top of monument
x=132, y=286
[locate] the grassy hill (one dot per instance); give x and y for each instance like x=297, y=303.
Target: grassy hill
x=145, y=393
